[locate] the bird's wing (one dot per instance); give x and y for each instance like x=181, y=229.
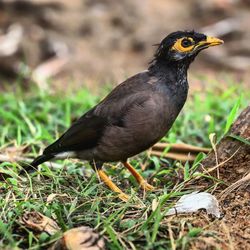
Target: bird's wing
x=88, y=130
x=83, y=134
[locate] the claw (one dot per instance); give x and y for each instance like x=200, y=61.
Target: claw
x=146, y=186
x=123, y=197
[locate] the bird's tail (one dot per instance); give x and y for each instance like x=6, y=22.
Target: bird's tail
x=30, y=167
x=40, y=159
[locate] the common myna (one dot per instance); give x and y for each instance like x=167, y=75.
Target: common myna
x=136, y=114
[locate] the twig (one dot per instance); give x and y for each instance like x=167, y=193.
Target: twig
x=172, y=241
x=175, y=156
x=180, y=147
x=235, y=185
x=218, y=165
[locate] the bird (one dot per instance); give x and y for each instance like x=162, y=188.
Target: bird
x=136, y=114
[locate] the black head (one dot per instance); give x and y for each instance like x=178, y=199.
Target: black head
x=181, y=46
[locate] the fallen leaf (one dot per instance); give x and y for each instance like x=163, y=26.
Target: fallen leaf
x=155, y=204
x=38, y=222
x=81, y=238
x=13, y=153
x=51, y=197
x=193, y=202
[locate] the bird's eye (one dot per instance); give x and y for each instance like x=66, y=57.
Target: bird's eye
x=186, y=42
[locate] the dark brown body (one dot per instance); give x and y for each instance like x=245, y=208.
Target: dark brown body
x=133, y=117
x=136, y=114
x=139, y=111
x=143, y=124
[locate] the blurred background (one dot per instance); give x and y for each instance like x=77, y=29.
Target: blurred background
x=80, y=43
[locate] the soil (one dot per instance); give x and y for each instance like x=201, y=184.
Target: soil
x=233, y=230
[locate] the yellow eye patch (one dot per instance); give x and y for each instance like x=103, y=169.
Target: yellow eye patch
x=184, y=44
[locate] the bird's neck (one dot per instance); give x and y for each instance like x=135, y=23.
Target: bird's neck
x=172, y=80
x=172, y=73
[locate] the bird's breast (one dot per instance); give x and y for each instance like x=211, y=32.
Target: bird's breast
x=143, y=126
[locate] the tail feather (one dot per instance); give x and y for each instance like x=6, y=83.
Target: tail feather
x=41, y=159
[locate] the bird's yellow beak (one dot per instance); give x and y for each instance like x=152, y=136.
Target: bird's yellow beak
x=213, y=41
x=209, y=42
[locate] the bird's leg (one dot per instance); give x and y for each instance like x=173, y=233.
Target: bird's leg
x=142, y=182
x=112, y=185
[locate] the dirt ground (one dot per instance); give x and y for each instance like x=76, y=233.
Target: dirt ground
x=232, y=231
x=233, y=192
x=84, y=43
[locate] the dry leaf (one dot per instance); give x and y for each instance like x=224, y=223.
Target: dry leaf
x=193, y=202
x=51, y=197
x=212, y=138
x=81, y=238
x=155, y=204
x=38, y=222
x=12, y=154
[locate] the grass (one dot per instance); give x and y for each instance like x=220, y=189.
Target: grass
x=33, y=120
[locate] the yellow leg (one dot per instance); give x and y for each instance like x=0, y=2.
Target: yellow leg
x=142, y=182
x=112, y=185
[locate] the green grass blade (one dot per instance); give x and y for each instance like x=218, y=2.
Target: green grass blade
x=232, y=115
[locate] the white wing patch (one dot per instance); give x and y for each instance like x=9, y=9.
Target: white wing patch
x=65, y=155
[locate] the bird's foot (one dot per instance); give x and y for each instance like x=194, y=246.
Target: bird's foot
x=145, y=186
x=124, y=197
